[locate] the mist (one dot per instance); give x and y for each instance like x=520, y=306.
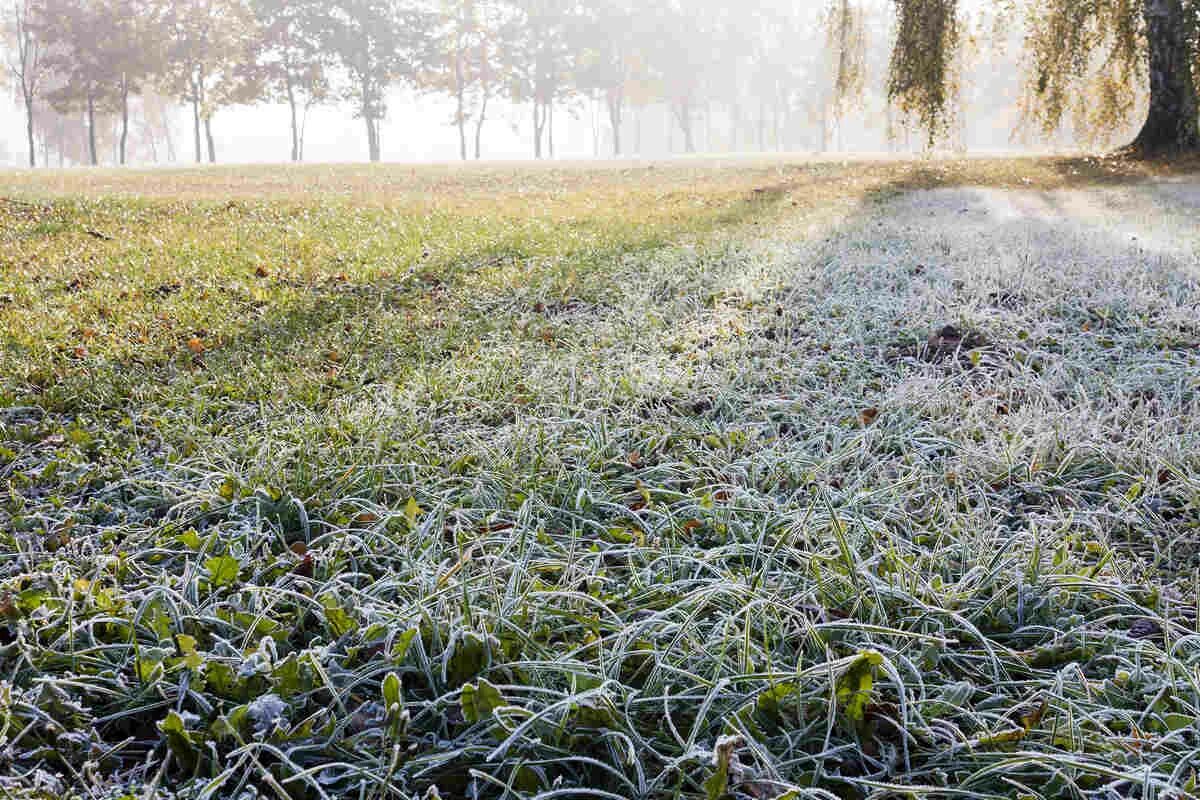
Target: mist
x=211, y=82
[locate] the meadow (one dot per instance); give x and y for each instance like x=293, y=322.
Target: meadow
x=760, y=479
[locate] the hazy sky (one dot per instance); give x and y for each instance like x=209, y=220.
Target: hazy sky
x=418, y=128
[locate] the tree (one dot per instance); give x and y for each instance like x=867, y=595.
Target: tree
x=1151, y=40
x=208, y=44
x=470, y=39
x=608, y=60
x=538, y=61
x=847, y=48
x=680, y=60
x=25, y=63
x=376, y=43
x=132, y=39
x=75, y=56
x=291, y=66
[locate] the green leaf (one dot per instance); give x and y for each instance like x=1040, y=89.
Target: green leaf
x=855, y=684
x=403, y=642
x=412, y=511
x=393, y=696
x=179, y=739
x=190, y=539
x=467, y=656
x=228, y=489
x=1178, y=722
x=149, y=669
x=479, y=701
x=339, y=621
x=288, y=678
x=187, y=648
x=222, y=570
x=717, y=785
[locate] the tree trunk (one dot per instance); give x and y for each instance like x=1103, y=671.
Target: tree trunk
x=196, y=126
x=538, y=123
x=212, y=147
x=615, y=107
x=1172, y=126
x=460, y=117
x=735, y=124
x=479, y=128
x=291, y=97
x=124, y=119
x=461, y=120
x=91, y=120
x=684, y=114
x=374, y=152
x=29, y=129
x=168, y=139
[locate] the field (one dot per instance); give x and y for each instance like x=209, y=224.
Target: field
x=753, y=479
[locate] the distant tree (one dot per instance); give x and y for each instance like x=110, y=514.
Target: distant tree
x=376, y=43
x=1154, y=41
x=470, y=38
x=74, y=56
x=25, y=62
x=609, y=57
x=291, y=66
x=208, y=44
x=538, y=62
x=681, y=57
x=132, y=38
x=846, y=46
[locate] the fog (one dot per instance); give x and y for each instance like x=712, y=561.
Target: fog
x=704, y=76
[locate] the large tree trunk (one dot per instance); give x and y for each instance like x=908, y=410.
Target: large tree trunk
x=1172, y=126
x=212, y=147
x=91, y=122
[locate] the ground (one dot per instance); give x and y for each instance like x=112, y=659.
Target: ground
x=689, y=480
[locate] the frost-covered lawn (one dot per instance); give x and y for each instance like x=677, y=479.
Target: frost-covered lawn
x=753, y=479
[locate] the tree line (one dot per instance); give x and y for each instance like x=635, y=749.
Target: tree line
x=759, y=60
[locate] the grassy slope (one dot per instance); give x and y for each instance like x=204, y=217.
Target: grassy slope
x=656, y=453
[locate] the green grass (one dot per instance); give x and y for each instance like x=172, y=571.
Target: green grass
x=599, y=482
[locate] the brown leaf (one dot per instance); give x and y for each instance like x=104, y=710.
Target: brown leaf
x=868, y=416
x=306, y=567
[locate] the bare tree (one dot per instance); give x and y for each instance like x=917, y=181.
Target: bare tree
x=26, y=65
